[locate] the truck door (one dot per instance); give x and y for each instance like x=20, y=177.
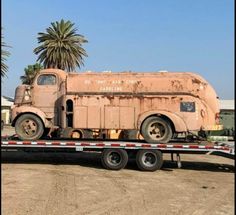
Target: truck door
x=45, y=94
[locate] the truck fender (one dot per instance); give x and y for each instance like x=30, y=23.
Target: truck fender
x=179, y=123
x=17, y=111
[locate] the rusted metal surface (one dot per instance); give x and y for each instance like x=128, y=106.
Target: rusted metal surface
x=120, y=100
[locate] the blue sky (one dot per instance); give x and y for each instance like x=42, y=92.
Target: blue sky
x=136, y=35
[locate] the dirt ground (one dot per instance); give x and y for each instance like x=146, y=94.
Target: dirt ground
x=74, y=184
x=62, y=183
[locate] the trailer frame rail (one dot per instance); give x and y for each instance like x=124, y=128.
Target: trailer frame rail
x=115, y=153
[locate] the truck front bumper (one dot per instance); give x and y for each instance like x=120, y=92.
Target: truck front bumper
x=213, y=127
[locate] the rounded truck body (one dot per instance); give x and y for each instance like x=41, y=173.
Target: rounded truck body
x=177, y=102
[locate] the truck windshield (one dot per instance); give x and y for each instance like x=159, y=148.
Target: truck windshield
x=46, y=80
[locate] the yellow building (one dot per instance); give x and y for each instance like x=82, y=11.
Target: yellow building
x=6, y=103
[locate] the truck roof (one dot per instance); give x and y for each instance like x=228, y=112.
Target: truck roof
x=127, y=82
x=161, y=73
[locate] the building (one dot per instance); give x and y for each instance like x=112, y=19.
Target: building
x=227, y=105
x=227, y=117
x=6, y=103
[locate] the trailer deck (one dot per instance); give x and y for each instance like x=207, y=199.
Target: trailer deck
x=115, y=153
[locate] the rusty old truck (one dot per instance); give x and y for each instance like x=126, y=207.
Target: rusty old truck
x=157, y=104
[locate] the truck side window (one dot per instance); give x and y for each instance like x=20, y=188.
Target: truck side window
x=46, y=80
x=69, y=105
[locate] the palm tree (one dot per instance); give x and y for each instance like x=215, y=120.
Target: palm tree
x=61, y=47
x=4, y=55
x=30, y=73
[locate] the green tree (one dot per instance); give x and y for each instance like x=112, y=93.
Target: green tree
x=61, y=46
x=4, y=55
x=30, y=73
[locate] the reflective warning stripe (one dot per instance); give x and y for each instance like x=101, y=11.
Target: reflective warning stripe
x=112, y=144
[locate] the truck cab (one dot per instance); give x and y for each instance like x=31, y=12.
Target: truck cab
x=37, y=106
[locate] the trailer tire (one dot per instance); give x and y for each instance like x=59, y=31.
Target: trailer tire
x=29, y=127
x=156, y=130
x=149, y=160
x=114, y=159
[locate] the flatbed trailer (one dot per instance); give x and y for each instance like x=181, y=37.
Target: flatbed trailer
x=115, y=153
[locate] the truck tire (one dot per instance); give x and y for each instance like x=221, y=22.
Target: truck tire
x=114, y=159
x=29, y=127
x=130, y=135
x=156, y=130
x=149, y=160
x=77, y=133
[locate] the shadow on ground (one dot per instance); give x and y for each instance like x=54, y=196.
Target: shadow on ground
x=92, y=160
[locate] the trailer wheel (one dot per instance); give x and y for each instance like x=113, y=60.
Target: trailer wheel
x=114, y=159
x=149, y=160
x=29, y=127
x=156, y=130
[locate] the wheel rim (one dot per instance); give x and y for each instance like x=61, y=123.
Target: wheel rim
x=29, y=127
x=156, y=130
x=114, y=158
x=149, y=159
x=76, y=134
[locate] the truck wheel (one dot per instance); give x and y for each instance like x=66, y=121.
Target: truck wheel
x=114, y=159
x=156, y=130
x=29, y=127
x=130, y=135
x=149, y=160
x=88, y=134
x=77, y=133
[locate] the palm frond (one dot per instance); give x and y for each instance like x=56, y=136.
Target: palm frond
x=30, y=73
x=61, y=47
x=4, y=55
